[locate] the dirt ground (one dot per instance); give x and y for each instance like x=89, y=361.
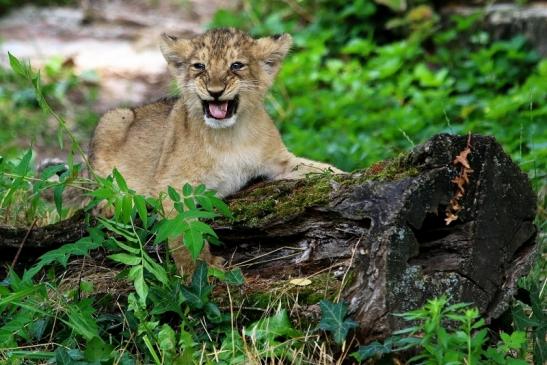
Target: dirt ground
x=117, y=39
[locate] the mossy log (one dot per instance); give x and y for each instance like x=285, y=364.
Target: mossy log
x=378, y=237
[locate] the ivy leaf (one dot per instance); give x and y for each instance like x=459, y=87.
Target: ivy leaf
x=97, y=350
x=62, y=357
x=191, y=297
x=332, y=320
x=234, y=277
x=373, y=349
x=213, y=312
x=167, y=341
x=269, y=329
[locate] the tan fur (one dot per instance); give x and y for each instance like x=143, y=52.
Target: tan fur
x=168, y=143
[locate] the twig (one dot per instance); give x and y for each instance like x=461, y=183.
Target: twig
x=23, y=243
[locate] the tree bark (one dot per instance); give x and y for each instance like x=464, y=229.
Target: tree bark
x=378, y=238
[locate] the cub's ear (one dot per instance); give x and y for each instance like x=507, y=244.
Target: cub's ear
x=270, y=51
x=175, y=50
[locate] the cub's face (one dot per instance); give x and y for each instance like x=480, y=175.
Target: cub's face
x=224, y=73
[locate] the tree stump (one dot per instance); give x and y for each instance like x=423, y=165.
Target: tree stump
x=379, y=235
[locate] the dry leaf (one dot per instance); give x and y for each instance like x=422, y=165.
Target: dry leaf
x=460, y=181
x=462, y=158
x=300, y=282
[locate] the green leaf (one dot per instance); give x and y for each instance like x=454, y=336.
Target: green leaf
x=202, y=228
x=13, y=297
x=522, y=321
x=127, y=208
x=395, y=5
x=268, y=330
x=120, y=228
x=173, y=194
x=123, y=246
x=137, y=275
x=155, y=269
x=200, y=285
x=221, y=206
x=125, y=259
x=205, y=202
x=58, y=198
x=23, y=166
x=187, y=190
x=193, y=239
x=63, y=253
x=18, y=67
x=167, y=342
x=190, y=203
x=333, y=320
x=120, y=180
x=213, y=312
x=234, y=277
x=514, y=341
x=190, y=214
x=373, y=349
x=97, y=350
x=192, y=298
x=170, y=228
x=62, y=357
x=80, y=319
x=140, y=204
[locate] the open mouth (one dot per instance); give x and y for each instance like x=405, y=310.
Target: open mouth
x=220, y=109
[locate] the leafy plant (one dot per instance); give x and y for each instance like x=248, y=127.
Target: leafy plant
x=333, y=320
x=448, y=334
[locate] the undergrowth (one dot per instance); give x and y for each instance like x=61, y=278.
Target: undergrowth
x=361, y=91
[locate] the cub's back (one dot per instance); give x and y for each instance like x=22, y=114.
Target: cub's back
x=130, y=140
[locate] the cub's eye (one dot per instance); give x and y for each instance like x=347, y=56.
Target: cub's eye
x=178, y=64
x=236, y=66
x=198, y=66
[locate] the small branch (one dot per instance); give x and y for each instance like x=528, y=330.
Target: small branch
x=22, y=244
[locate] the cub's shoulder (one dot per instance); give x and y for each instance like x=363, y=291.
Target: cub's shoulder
x=120, y=120
x=116, y=127
x=161, y=108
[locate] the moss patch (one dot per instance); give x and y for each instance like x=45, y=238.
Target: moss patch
x=282, y=200
x=388, y=170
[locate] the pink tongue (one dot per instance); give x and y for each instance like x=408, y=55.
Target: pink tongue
x=218, y=111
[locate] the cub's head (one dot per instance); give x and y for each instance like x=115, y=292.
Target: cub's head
x=224, y=73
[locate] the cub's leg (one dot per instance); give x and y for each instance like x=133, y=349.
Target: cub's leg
x=181, y=255
x=298, y=167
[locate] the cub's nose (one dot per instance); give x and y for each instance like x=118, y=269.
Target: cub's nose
x=215, y=93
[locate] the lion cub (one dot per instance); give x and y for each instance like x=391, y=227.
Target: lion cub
x=217, y=133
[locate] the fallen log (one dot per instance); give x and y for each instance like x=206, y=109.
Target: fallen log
x=378, y=238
